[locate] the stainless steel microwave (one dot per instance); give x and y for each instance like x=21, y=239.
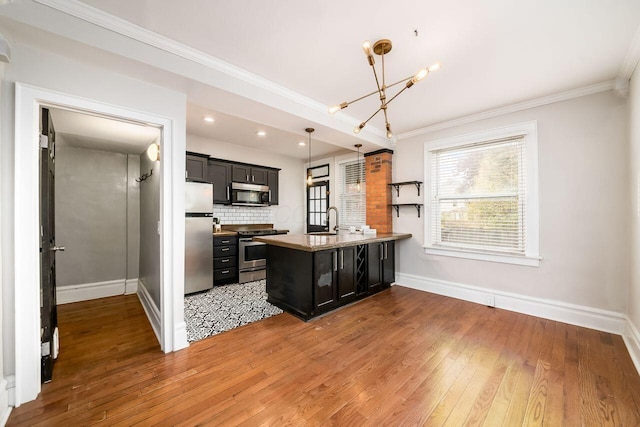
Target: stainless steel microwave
x=250, y=194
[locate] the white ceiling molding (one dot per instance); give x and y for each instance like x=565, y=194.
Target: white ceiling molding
x=117, y=25
x=631, y=60
x=562, y=96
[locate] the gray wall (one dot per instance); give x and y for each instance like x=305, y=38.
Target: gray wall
x=583, y=154
x=91, y=215
x=149, y=238
x=133, y=216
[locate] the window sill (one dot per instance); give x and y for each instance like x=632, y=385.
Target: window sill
x=529, y=261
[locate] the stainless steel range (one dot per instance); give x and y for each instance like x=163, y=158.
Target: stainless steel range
x=252, y=262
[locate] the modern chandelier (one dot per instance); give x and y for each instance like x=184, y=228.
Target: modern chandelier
x=382, y=47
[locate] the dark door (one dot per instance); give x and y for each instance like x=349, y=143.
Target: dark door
x=317, y=204
x=196, y=167
x=241, y=173
x=48, y=248
x=325, y=265
x=272, y=182
x=388, y=264
x=259, y=176
x=347, y=273
x=375, y=254
x=220, y=176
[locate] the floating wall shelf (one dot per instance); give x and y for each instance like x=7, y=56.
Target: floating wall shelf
x=396, y=206
x=397, y=185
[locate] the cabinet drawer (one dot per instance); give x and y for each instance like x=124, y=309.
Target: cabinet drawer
x=224, y=274
x=224, y=251
x=224, y=263
x=225, y=240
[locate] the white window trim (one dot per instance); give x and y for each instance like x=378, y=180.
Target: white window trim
x=339, y=162
x=532, y=249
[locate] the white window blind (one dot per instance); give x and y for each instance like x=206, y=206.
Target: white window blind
x=479, y=196
x=352, y=202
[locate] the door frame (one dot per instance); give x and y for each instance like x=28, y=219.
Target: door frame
x=172, y=334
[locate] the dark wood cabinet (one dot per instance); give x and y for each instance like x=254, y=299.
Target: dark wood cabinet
x=249, y=174
x=308, y=284
x=324, y=279
x=219, y=174
x=380, y=265
x=272, y=182
x=225, y=259
x=347, y=281
x=196, y=167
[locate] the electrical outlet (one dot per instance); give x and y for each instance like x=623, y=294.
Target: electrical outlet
x=490, y=301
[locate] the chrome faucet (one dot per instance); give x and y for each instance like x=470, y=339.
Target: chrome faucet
x=337, y=218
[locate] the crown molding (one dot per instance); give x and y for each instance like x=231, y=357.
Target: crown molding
x=562, y=96
x=132, y=31
x=631, y=60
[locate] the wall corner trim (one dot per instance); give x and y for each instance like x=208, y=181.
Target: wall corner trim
x=5, y=401
x=180, y=336
x=150, y=308
x=131, y=286
x=631, y=338
x=588, y=317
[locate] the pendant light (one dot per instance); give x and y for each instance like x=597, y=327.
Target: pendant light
x=358, y=180
x=309, y=174
x=383, y=47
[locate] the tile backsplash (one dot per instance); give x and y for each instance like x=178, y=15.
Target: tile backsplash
x=243, y=215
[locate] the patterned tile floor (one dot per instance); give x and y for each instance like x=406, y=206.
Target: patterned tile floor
x=226, y=307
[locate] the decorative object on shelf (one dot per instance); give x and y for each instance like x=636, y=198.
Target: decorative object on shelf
x=145, y=176
x=397, y=185
x=309, y=174
x=396, y=206
x=359, y=172
x=153, y=152
x=382, y=47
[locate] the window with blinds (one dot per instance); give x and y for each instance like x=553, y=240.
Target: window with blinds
x=352, y=200
x=479, y=196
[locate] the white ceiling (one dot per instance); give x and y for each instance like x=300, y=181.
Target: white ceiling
x=494, y=53
x=101, y=133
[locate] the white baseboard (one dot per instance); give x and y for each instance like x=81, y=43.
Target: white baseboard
x=588, y=317
x=131, y=286
x=180, y=339
x=5, y=407
x=150, y=308
x=88, y=291
x=631, y=338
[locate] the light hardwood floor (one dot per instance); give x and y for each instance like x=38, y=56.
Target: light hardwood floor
x=402, y=357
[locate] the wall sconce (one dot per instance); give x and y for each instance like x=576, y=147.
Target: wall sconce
x=153, y=152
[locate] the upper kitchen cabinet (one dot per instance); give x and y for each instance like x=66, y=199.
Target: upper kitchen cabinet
x=219, y=174
x=272, y=182
x=196, y=167
x=249, y=174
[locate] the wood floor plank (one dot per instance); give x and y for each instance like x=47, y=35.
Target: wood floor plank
x=401, y=357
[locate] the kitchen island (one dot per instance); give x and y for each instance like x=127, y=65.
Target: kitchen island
x=311, y=274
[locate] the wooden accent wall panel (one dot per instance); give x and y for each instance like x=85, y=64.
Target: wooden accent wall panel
x=378, y=175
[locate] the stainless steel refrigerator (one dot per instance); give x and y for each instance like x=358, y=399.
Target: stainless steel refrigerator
x=198, y=248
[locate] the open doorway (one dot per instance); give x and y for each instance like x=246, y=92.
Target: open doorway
x=166, y=317
x=91, y=196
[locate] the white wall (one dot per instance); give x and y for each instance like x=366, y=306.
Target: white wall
x=289, y=214
x=583, y=181
x=62, y=74
x=633, y=297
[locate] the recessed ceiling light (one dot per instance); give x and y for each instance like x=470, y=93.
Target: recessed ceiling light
x=209, y=119
x=261, y=133
x=302, y=143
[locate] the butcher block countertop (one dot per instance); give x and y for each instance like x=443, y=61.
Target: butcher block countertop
x=319, y=242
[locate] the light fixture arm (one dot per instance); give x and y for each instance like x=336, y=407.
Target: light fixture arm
x=382, y=47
